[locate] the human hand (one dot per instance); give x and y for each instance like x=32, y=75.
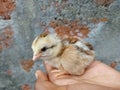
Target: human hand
x=97, y=76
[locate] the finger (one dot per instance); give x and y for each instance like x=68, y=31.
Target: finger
x=93, y=64
x=41, y=76
x=48, y=67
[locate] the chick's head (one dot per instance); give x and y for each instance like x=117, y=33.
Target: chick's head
x=46, y=47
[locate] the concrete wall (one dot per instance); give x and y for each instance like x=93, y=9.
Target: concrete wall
x=22, y=21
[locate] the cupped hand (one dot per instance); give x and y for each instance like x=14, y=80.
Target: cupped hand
x=97, y=76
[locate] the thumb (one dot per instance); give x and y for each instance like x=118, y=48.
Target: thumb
x=40, y=76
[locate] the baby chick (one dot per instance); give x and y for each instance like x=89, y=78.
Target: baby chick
x=72, y=56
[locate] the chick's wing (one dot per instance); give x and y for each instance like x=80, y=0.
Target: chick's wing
x=74, y=60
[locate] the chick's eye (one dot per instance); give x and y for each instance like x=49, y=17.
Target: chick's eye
x=44, y=49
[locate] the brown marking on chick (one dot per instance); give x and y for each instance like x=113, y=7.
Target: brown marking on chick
x=89, y=45
x=62, y=51
x=44, y=34
x=73, y=40
x=84, y=51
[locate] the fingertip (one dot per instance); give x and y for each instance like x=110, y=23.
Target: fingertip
x=40, y=75
x=37, y=74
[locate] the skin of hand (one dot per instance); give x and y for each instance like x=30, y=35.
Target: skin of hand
x=97, y=76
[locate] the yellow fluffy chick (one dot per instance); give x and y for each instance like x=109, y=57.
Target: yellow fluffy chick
x=71, y=57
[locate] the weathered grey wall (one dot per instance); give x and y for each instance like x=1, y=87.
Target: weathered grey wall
x=30, y=17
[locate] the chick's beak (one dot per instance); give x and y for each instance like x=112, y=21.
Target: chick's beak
x=36, y=57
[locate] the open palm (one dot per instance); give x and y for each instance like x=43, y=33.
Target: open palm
x=97, y=76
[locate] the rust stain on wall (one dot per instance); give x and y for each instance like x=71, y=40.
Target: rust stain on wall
x=98, y=20
x=113, y=64
x=70, y=28
x=6, y=7
x=103, y=2
x=26, y=87
x=9, y=72
x=6, y=37
x=27, y=64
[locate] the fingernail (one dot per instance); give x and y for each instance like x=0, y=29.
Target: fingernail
x=46, y=62
x=36, y=74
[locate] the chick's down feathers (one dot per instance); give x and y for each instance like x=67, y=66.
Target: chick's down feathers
x=71, y=57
